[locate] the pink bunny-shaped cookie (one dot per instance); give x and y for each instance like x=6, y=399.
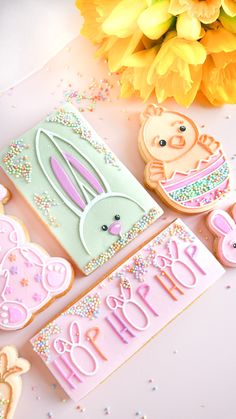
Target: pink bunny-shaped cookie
x=224, y=228
x=29, y=277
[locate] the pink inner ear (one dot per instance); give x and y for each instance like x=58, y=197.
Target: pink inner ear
x=221, y=224
x=87, y=175
x=66, y=183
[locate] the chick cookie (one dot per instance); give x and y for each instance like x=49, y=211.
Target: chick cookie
x=189, y=171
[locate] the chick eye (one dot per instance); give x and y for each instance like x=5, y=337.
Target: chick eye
x=182, y=128
x=104, y=227
x=117, y=217
x=162, y=143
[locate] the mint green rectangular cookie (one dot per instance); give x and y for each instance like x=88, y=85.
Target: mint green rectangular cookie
x=92, y=204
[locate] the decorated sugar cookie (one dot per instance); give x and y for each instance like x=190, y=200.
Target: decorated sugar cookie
x=97, y=333
x=223, y=226
x=188, y=170
x=89, y=200
x=11, y=369
x=29, y=277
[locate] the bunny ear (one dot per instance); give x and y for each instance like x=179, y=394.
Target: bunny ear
x=66, y=183
x=220, y=223
x=91, y=179
x=74, y=181
x=173, y=249
x=60, y=345
x=75, y=332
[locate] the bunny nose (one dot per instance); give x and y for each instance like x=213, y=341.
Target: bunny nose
x=177, y=141
x=115, y=228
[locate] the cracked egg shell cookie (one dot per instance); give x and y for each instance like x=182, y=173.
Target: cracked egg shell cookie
x=189, y=171
x=223, y=226
x=90, y=201
x=29, y=278
x=103, y=328
x=11, y=369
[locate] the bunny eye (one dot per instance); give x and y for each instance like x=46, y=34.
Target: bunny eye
x=234, y=245
x=182, y=128
x=117, y=217
x=104, y=227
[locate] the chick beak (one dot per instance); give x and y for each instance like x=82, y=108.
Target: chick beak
x=177, y=141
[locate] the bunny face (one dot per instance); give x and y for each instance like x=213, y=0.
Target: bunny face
x=103, y=215
x=165, y=135
x=224, y=227
x=106, y=220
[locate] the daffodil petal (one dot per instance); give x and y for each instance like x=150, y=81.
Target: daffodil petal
x=228, y=22
x=219, y=40
x=188, y=27
x=122, y=49
x=122, y=21
x=229, y=7
x=176, y=7
x=155, y=20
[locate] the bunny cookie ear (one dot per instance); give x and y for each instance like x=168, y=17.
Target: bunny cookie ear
x=71, y=173
x=220, y=222
x=75, y=332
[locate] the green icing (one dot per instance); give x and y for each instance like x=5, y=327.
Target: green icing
x=79, y=229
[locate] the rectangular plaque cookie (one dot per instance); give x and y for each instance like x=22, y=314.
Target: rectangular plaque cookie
x=91, y=202
x=102, y=329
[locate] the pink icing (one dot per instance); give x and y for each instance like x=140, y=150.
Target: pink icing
x=224, y=228
x=84, y=172
x=29, y=278
x=66, y=183
x=115, y=228
x=193, y=178
x=129, y=313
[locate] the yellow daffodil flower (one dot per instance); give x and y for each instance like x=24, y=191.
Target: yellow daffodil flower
x=207, y=11
x=95, y=13
x=219, y=71
x=188, y=27
x=122, y=21
x=155, y=20
x=227, y=21
x=134, y=77
x=177, y=70
x=229, y=7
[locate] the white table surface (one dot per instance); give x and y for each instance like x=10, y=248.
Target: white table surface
x=192, y=361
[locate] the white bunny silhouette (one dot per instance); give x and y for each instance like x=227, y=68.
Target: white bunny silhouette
x=84, y=190
x=124, y=301
x=178, y=267
x=63, y=345
x=224, y=228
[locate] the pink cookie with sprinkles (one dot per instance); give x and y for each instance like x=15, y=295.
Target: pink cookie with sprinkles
x=102, y=329
x=189, y=171
x=29, y=278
